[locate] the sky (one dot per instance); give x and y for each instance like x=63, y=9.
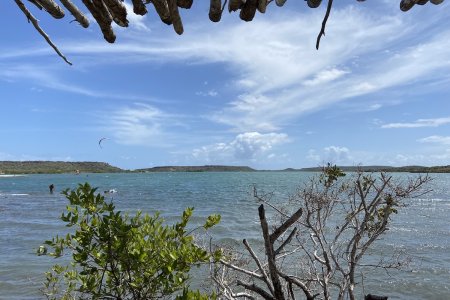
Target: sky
x=237, y=93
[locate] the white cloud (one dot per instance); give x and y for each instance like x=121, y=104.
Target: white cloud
x=337, y=154
x=326, y=76
x=332, y=154
x=246, y=146
x=50, y=78
x=209, y=93
x=313, y=155
x=140, y=124
x=276, y=72
x=375, y=106
x=419, y=123
x=437, y=139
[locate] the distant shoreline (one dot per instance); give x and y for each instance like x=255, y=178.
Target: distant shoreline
x=8, y=168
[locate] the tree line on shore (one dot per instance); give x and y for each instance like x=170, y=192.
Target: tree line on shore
x=314, y=246
x=57, y=167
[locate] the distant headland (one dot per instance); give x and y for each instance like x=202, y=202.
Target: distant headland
x=207, y=168
x=57, y=167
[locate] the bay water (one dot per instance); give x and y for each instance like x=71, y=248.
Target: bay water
x=29, y=215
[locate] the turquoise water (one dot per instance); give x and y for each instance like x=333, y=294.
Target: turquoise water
x=29, y=214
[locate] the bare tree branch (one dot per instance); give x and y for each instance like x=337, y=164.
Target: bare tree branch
x=324, y=23
x=256, y=289
x=260, y=267
x=35, y=23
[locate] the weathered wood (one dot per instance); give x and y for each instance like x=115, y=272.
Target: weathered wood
x=406, y=5
x=324, y=23
x=260, y=266
x=184, y=3
x=102, y=11
x=162, y=9
x=215, y=10
x=175, y=16
x=286, y=242
x=262, y=5
x=314, y=3
x=117, y=11
x=248, y=10
x=234, y=5
x=35, y=23
x=375, y=297
x=74, y=10
x=106, y=11
x=139, y=7
x=256, y=289
x=278, y=289
x=51, y=7
x=103, y=19
x=283, y=227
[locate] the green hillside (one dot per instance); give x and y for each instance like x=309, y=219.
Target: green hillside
x=213, y=168
x=52, y=167
x=408, y=169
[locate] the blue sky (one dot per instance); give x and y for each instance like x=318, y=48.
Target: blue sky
x=256, y=94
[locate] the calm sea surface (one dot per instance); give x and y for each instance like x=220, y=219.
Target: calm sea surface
x=29, y=215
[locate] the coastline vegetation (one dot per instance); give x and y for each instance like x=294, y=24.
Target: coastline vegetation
x=61, y=167
x=116, y=256
x=315, y=246
x=55, y=167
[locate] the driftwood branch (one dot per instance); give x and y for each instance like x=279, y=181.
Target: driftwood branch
x=35, y=23
x=260, y=267
x=106, y=11
x=51, y=7
x=242, y=270
x=324, y=23
x=74, y=10
x=256, y=289
x=287, y=241
x=278, y=290
x=301, y=285
x=283, y=227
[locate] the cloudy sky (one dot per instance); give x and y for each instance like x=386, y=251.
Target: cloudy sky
x=256, y=94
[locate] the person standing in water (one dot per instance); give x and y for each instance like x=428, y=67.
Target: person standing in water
x=51, y=187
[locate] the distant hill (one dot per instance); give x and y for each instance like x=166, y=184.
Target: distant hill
x=52, y=167
x=55, y=167
x=211, y=168
x=409, y=169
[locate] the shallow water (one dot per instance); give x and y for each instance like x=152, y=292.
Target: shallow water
x=29, y=215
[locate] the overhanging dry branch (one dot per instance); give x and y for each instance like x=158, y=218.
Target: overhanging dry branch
x=35, y=23
x=106, y=11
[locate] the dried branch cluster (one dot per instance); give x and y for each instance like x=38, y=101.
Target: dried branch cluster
x=317, y=251
x=107, y=11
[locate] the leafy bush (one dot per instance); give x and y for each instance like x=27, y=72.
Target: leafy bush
x=115, y=256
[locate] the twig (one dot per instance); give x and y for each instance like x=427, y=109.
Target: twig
x=324, y=23
x=270, y=255
x=258, y=263
x=282, y=228
x=256, y=289
x=287, y=241
x=34, y=21
x=247, y=272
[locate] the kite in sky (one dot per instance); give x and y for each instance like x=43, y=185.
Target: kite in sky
x=100, y=141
